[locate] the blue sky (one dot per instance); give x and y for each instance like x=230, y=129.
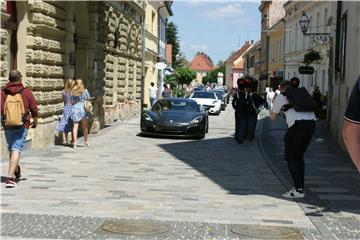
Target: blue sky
x=215, y=27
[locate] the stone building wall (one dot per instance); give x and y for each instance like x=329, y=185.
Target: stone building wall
x=123, y=50
x=4, y=37
x=94, y=41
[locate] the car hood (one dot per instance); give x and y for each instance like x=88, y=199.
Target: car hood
x=168, y=117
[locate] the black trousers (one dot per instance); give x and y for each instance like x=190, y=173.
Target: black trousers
x=251, y=126
x=297, y=139
x=241, y=126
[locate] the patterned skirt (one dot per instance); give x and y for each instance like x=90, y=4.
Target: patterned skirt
x=66, y=123
x=78, y=112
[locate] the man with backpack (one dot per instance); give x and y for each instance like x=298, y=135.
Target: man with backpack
x=298, y=107
x=18, y=105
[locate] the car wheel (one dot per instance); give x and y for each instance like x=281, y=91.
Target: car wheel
x=201, y=136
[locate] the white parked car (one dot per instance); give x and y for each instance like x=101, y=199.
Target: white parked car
x=207, y=99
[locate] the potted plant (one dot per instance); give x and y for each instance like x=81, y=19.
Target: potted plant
x=311, y=56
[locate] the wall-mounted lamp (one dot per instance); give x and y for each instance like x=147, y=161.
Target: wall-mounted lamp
x=318, y=38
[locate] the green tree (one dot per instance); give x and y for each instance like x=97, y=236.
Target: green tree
x=185, y=75
x=211, y=77
x=182, y=75
x=172, y=80
x=173, y=39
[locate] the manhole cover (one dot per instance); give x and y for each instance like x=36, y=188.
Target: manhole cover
x=136, y=228
x=267, y=232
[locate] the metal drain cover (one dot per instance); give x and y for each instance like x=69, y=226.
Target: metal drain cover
x=267, y=232
x=135, y=228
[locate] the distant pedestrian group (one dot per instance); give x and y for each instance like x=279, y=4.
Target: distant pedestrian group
x=246, y=103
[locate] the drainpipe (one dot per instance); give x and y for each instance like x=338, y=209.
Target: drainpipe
x=337, y=47
x=160, y=72
x=283, y=55
x=143, y=62
x=337, y=67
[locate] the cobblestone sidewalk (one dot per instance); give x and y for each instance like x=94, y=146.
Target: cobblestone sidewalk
x=200, y=189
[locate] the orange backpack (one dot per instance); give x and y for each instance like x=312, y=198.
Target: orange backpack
x=14, y=111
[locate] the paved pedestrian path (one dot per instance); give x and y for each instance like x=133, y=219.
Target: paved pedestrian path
x=199, y=187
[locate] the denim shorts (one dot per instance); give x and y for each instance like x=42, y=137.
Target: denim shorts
x=16, y=138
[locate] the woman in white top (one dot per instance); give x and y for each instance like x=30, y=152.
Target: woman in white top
x=301, y=128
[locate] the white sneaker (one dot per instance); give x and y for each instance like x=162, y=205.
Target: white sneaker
x=294, y=194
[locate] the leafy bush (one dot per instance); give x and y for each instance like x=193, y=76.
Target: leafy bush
x=312, y=56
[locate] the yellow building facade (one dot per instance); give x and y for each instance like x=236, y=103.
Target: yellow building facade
x=151, y=47
x=276, y=36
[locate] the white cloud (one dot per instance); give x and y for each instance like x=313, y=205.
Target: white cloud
x=228, y=11
x=199, y=47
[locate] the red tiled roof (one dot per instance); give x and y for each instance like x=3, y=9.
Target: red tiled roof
x=239, y=52
x=201, y=62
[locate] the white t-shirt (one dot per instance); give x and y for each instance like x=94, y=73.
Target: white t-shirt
x=291, y=114
x=152, y=92
x=270, y=96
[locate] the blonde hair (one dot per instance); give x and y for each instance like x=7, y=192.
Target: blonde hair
x=69, y=84
x=78, y=88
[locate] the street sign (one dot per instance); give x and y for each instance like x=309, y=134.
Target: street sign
x=306, y=70
x=160, y=66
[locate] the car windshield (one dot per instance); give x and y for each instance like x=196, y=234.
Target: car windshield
x=219, y=94
x=204, y=95
x=176, y=105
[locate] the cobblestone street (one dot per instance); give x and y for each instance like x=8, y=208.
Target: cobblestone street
x=198, y=189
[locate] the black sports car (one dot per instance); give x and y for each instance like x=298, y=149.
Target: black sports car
x=175, y=117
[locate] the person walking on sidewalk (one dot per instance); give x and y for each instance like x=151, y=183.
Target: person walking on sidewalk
x=270, y=99
x=79, y=95
x=166, y=93
x=66, y=123
x=253, y=105
x=239, y=103
x=152, y=93
x=351, y=127
x=18, y=105
x=295, y=82
x=301, y=128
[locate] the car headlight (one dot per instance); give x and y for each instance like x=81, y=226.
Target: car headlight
x=197, y=119
x=147, y=117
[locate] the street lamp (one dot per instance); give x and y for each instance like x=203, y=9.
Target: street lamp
x=318, y=38
x=304, y=23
